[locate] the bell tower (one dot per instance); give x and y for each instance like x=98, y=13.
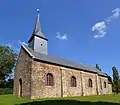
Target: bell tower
x=38, y=41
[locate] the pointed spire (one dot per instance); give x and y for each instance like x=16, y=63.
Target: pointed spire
x=37, y=30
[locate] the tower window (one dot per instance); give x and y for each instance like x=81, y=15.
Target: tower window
x=41, y=44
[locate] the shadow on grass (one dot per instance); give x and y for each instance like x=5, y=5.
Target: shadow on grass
x=67, y=102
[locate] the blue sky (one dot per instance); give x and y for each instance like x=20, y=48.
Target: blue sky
x=85, y=31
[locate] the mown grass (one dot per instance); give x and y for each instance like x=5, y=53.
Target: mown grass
x=87, y=100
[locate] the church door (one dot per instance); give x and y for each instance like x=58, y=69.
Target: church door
x=20, y=87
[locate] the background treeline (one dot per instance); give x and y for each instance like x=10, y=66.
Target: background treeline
x=8, y=60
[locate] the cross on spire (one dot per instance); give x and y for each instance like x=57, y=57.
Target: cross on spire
x=38, y=10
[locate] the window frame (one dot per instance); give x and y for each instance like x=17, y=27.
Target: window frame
x=73, y=81
x=105, y=84
x=90, y=83
x=49, y=79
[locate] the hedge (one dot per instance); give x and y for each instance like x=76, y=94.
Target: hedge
x=6, y=91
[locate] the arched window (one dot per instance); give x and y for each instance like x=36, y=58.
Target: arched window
x=73, y=81
x=104, y=84
x=49, y=80
x=90, y=83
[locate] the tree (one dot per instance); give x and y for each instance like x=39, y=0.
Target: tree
x=98, y=67
x=109, y=79
x=10, y=83
x=7, y=62
x=116, y=79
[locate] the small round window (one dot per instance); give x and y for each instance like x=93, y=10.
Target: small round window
x=41, y=44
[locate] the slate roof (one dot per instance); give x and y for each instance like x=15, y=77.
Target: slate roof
x=61, y=61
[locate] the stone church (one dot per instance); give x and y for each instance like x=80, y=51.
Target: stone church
x=40, y=75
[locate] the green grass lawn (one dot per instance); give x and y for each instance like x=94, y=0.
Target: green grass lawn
x=87, y=100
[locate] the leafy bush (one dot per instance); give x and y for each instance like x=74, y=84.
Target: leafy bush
x=6, y=91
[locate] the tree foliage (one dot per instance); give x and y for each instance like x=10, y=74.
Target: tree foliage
x=97, y=66
x=7, y=62
x=110, y=79
x=116, y=79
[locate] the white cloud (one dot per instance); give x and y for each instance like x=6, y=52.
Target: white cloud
x=100, y=27
x=64, y=37
x=115, y=14
x=22, y=43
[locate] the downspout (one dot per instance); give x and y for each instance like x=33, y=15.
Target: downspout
x=61, y=83
x=31, y=66
x=81, y=83
x=97, y=85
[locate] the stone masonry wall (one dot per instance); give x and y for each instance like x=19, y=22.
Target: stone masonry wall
x=109, y=88
x=86, y=89
x=103, y=90
x=38, y=80
x=66, y=81
x=22, y=70
x=63, y=88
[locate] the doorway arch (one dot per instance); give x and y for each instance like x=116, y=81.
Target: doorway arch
x=20, y=87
